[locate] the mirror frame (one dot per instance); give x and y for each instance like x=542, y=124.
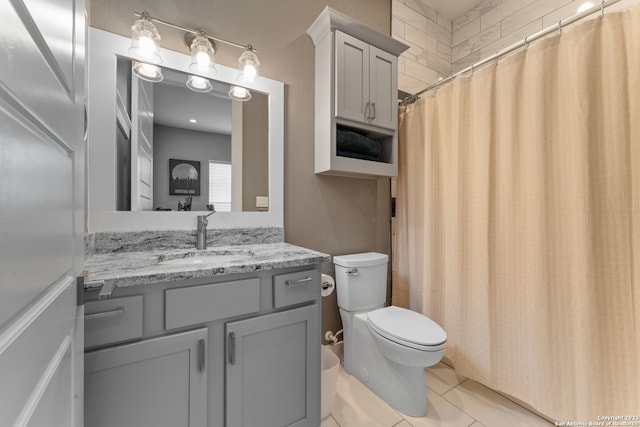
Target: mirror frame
x=103, y=49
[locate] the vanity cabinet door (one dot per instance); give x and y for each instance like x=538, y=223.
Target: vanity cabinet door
x=156, y=382
x=273, y=370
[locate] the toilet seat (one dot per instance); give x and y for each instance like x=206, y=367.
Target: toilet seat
x=408, y=328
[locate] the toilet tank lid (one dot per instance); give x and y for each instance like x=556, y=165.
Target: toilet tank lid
x=361, y=260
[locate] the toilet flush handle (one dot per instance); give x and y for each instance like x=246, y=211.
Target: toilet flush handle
x=352, y=272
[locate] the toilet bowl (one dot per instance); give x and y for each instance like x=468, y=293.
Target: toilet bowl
x=386, y=348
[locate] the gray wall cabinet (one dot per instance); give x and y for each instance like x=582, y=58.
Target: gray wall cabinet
x=169, y=376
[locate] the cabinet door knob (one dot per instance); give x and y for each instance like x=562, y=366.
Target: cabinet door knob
x=232, y=348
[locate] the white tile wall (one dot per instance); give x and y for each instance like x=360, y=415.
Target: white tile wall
x=493, y=25
x=439, y=47
x=428, y=35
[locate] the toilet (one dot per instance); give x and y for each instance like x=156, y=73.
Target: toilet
x=385, y=348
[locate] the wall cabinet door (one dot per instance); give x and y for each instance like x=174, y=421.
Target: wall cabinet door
x=383, y=93
x=273, y=370
x=352, y=78
x=366, y=83
x=156, y=382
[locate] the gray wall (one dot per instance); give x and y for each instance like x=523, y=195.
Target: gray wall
x=255, y=150
x=185, y=144
x=330, y=214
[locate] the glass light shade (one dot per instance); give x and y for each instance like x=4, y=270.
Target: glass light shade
x=199, y=84
x=148, y=72
x=202, y=56
x=238, y=93
x=145, y=41
x=249, y=66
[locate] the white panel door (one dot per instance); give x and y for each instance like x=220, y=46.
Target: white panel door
x=141, y=144
x=42, y=211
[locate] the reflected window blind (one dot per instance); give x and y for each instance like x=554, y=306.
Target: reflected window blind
x=220, y=185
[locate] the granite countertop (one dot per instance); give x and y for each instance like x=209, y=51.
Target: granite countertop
x=156, y=266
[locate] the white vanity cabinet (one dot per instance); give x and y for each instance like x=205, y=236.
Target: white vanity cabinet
x=234, y=350
x=356, y=93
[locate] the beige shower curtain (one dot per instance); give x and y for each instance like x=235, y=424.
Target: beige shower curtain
x=518, y=220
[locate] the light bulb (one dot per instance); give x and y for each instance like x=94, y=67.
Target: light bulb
x=250, y=72
x=147, y=45
x=203, y=60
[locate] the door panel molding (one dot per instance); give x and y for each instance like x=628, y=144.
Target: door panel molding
x=49, y=57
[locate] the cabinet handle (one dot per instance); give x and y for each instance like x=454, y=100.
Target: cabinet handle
x=373, y=106
x=298, y=282
x=366, y=111
x=232, y=348
x=105, y=314
x=201, y=356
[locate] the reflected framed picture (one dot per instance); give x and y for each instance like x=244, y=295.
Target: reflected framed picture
x=184, y=177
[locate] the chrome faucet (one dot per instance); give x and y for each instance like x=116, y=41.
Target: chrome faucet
x=202, y=230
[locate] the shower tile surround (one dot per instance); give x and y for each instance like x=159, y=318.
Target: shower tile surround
x=135, y=258
x=486, y=28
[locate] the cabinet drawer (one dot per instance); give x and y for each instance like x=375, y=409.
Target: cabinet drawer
x=206, y=303
x=112, y=321
x=294, y=288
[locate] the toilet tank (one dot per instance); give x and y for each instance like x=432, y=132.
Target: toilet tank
x=361, y=280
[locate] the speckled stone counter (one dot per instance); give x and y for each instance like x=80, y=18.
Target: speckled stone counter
x=164, y=265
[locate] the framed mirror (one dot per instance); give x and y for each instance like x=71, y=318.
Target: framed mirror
x=160, y=153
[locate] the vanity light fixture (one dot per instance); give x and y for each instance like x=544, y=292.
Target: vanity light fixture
x=145, y=41
x=202, y=54
x=239, y=93
x=199, y=84
x=249, y=66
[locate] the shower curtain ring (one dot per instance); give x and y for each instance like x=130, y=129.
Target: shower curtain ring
x=526, y=43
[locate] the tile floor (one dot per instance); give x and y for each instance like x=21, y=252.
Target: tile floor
x=452, y=402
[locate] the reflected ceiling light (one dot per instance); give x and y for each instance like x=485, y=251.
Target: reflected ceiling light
x=249, y=66
x=193, y=121
x=238, y=93
x=585, y=6
x=149, y=72
x=202, y=54
x=199, y=84
x=145, y=40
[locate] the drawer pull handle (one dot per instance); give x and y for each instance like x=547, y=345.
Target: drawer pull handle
x=232, y=348
x=105, y=314
x=298, y=282
x=201, y=356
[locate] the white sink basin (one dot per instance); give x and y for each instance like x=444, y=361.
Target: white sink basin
x=206, y=257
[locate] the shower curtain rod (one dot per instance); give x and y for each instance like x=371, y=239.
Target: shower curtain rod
x=524, y=42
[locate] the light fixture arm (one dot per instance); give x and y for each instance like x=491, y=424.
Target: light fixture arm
x=145, y=15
